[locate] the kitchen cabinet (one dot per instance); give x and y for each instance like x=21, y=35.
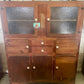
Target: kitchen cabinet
x=42, y=40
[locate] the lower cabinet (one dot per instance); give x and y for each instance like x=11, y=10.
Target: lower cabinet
x=65, y=68
x=39, y=68
x=42, y=68
x=18, y=71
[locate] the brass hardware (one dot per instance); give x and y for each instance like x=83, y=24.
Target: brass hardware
x=28, y=67
x=42, y=50
x=48, y=19
x=34, y=67
x=57, y=46
x=57, y=67
x=42, y=43
x=27, y=46
x=36, y=19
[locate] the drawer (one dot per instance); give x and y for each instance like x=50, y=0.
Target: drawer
x=68, y=47
x=43, y=43
x=17, y=46
x=43, y=51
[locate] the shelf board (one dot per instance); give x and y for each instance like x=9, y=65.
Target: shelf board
x=20, y=20
x=65, y=20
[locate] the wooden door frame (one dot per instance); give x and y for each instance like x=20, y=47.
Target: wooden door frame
x=79, y=19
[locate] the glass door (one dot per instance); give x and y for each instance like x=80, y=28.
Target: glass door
x=20, y=20
x=62, y=20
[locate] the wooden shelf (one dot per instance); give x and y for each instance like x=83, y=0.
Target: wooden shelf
x=64, y=20
x=21, y=20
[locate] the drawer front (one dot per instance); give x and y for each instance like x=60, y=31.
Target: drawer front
x=43, y=51
x=17, y=47
x=43, y=43
x=68, y=47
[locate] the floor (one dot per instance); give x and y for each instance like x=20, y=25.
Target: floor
x=79, y=79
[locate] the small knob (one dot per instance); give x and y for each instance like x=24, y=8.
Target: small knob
x=36, y=19
x=57, y=46
x=28, y=67
x=34, y=67
x=27, y=46
x=42, y=50
x=57, y=67
x=42, y=43
x=48, y=19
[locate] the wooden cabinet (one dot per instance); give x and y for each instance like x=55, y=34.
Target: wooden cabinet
x=65, y=68
x=42, y=68
x=19, y=68
x=42, y=40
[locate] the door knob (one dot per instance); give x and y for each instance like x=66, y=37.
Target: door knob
x=57, y=46
x=42, y=50
x=34, y=67
x=48, y=19
x=28, y=67
x=36, y=19
x=57, y=67
x=42, y=43
x=27, y=46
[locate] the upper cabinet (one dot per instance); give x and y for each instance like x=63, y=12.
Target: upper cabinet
x=41, y=19
x=20, y=20
x=62, y=19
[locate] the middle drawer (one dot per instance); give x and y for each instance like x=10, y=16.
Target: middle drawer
x=43, y=51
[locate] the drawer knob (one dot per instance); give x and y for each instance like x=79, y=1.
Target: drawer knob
x=57, y=67
x=28, y=67
x=48, y=19
x=57, y=46
x=42, y=43
x=34, y=67
x=36, y=19
x=27, y=46
x=42, y=50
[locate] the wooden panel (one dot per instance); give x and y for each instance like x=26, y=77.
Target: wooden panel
x=43, y=69
x=43, y=51
x=18, y=71
x=66, y=68
x=17, y=46
x=68, y=47
x=43, y=42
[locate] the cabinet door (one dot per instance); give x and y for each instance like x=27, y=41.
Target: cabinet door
x=42, y=68
x=65, y=68
x=19, y=68
x=62, y=20
x=19, y=20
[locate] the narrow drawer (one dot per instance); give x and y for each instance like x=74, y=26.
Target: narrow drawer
x=66, y=47
x=43, y=51
x=43, y=43
x=16, y=46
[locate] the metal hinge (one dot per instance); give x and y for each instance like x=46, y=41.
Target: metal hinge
x=82, y=8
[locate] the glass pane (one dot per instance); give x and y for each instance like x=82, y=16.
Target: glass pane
x=20, y=20
x=64, y=12
x=21, y=27
x=63, y=20
x=65, y=27
x=20, y=13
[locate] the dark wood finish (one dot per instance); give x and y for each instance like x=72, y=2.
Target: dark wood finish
x=1, y=68
x=42, y=50
x=18, y=71
x=43, y=69
x=66, y=68
x=83, y=66
x=17, y=47
x=66, y=47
